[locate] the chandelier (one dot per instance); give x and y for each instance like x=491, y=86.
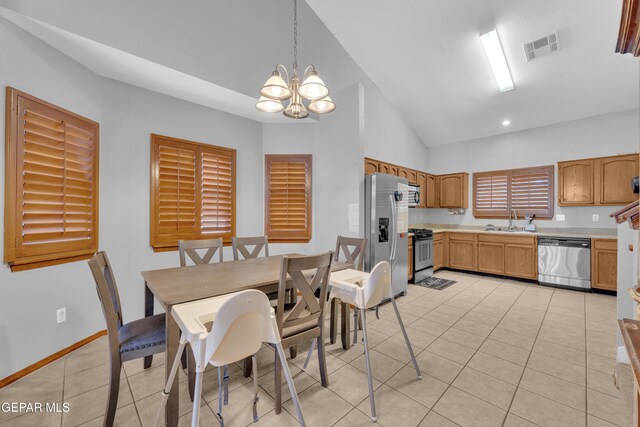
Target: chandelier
x=312, y=89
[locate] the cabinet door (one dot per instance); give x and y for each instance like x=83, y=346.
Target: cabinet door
x=412, y=176
x=438, y=255
x=491, y=257
x=521, y=261
x=453, y=190
x=403, y=173
x=422, y=182
x=431, y=199
x=604, y=264
x=410, y=270
x=575, y=182
x=370, y=166
x=615, y=179
x=462, y=254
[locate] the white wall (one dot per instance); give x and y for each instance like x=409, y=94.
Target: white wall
x=616, y=133
x=29, y=299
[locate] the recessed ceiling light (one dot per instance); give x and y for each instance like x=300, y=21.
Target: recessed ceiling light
x=506, y=123
x=495, y=55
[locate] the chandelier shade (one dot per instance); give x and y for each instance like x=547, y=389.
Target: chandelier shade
x=312, y=90
x=275, y=88
x=269, y=105
x=322, y=106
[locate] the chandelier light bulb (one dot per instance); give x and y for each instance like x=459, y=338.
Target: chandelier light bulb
x=313, y=87
x=269, y=105
x=322, y=106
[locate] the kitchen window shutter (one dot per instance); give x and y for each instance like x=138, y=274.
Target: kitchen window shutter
x=527, y=191
x=288, y=198
x=51, y=202
x=192, y=192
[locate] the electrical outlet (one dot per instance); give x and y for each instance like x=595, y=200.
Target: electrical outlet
x=560, y=217
x=61, y=314
x=595, y=217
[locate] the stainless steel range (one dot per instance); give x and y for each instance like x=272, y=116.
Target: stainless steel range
x=422, y=253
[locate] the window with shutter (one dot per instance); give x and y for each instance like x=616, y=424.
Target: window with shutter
x=192, y=192
x=51, y=198
x=527, y=191
x=288, y=198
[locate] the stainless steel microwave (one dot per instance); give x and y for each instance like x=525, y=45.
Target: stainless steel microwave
x=414, y=195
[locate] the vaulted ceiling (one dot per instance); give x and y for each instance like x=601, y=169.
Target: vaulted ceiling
x=426, y=57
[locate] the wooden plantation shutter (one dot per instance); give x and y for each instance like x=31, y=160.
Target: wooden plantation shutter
x=288, y=198
x=192, y=192
x=490, y=191
x=528, y=191
x=51, y=202
x=532, y=191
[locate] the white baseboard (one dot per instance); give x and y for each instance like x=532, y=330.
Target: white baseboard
x=622, y=357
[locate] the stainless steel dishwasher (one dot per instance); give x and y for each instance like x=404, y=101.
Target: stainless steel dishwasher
x=564, y=261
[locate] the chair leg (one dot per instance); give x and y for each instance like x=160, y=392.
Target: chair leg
x=226, y=384
x=191, y=371
x=406, y=338
x=311, y=348
x=114, y=389
x=290, y=383
x=278, y=381
x=355, y=326
x=255, y=388
x=322, y=359
x=220, y=398
x=333, y=322
x=184, y=361
x=293, y=351
x=345, y=325
x=368, y=362
x=167, y=387
x=195, y=417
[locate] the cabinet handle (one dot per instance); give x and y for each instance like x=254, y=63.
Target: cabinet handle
x=630, y=248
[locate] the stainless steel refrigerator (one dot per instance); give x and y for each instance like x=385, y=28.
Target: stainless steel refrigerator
x=386, y=223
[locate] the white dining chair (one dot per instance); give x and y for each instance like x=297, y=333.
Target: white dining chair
x=366, y=291
x=221, y=331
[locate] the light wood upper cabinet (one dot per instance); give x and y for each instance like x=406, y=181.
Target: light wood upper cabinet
x=431, y=199
x=412, y=176
x=422, y=182
x=454, y=190
x=403, y=173
x=604, y=264
x=615, y=179
x=598, y=181
x=575, y=182
x=370, y=166
x=387, y=168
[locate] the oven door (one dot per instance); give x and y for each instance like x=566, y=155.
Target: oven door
x=423, y=254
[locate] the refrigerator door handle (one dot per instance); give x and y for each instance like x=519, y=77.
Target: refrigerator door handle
x=394, y=237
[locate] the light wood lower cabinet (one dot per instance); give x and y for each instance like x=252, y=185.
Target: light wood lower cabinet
x=462, y=251
x=604, y=264
x=438, y=251
x=410, y=258
x=514, y=256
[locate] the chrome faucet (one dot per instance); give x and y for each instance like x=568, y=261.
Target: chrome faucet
x=511, y=227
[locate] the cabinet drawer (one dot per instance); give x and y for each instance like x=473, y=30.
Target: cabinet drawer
x=467, y=237
x=604, y=244
x=438, y=237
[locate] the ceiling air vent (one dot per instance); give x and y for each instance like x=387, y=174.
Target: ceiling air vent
x=541, y=47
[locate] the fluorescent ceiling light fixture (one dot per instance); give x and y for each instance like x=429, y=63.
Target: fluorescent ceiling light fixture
x=495, y=55
x=506, y=123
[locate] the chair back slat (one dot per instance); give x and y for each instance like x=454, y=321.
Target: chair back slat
x=240, y=247
x=107, y=292
x=307, y=274
x=191, y=247
x=353, y=249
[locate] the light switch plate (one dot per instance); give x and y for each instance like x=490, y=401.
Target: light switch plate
x=61, y=314
x=595, y=217
x=560, y=217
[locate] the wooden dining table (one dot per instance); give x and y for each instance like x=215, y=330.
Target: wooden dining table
x=178, y=285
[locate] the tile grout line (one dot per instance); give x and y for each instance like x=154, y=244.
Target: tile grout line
x=546, y=311
x=477, y=350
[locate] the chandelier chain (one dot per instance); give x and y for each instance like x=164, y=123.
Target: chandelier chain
x=295, y=37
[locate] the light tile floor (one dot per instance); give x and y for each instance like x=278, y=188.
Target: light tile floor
x=493, y=352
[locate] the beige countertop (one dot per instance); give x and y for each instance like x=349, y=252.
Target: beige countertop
x=590, y=233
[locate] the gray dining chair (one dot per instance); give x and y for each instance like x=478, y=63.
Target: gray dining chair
x=127, y=341
x=241, y=247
